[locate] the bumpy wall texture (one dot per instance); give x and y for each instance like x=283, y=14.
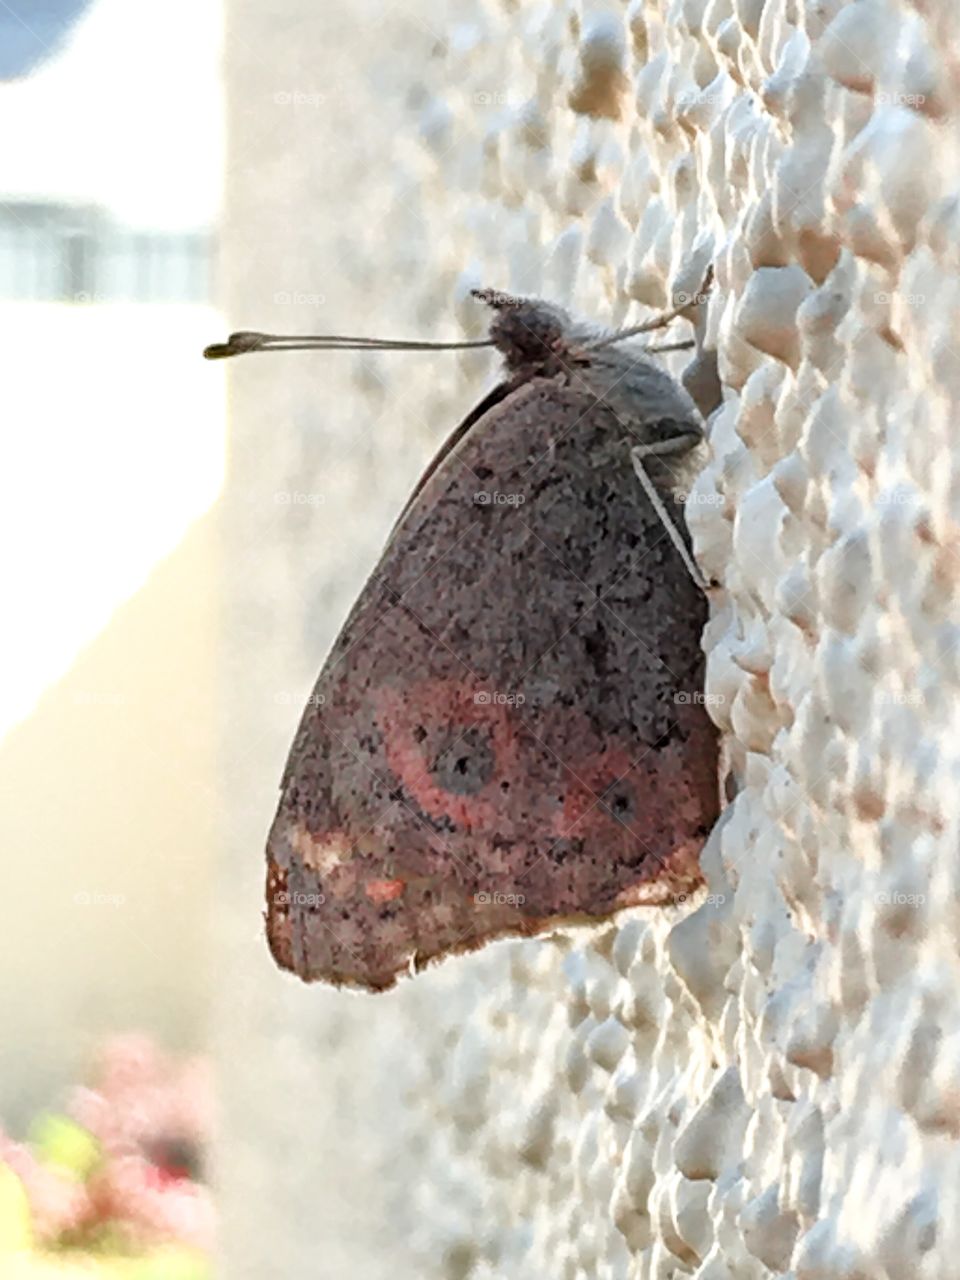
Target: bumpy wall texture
x=767, y=1083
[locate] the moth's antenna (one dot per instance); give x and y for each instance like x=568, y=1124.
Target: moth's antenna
x=660, y=321
x=246, y=341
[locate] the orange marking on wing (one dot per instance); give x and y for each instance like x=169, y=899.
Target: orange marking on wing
x=380, y=891
x=438, y=702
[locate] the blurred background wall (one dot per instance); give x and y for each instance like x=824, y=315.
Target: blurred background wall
x=112, y=458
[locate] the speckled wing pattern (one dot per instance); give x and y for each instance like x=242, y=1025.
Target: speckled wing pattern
x=507, y=733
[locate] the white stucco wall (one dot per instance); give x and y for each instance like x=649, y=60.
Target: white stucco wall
x=768, y=1085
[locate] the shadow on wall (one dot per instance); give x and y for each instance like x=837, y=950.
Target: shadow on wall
x=109, y=828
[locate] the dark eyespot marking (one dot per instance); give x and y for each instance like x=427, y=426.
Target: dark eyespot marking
x=465, y=762
x=620, y=802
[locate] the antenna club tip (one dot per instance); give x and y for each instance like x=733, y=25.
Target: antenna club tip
x=238, y=343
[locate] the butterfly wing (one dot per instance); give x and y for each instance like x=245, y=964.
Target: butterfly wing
x=506, y=733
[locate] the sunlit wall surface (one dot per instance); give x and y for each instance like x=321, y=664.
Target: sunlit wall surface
x=112, y=461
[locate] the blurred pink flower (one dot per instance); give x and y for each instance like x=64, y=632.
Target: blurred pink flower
x=58, y=1203
x=151, y=1117
x=140, y=1097
x=131, y=1192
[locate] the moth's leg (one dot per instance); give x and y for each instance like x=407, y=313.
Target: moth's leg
x=663, y=449
x=661, y=348
x=701, y=377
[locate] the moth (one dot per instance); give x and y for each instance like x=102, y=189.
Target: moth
x=507, y=735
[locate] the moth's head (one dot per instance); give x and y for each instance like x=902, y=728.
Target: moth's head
x=539, y=339
x=534, y=337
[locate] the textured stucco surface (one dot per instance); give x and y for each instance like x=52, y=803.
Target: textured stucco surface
x=768, y=1082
